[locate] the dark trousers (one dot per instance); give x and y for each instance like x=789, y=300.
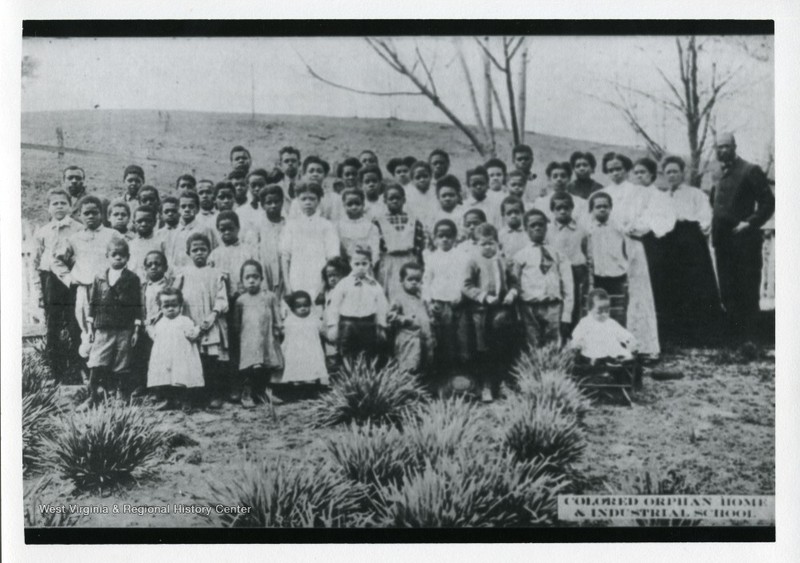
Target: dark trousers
x=358, y=335
x=580, y=279
x=739, y=271
x=614, y=285
x=541, y=321
x=59, y=312
x=444, y=319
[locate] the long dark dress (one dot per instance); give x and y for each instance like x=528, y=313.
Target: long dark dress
x=689, y=310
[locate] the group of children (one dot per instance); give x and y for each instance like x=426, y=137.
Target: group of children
x=272, y=277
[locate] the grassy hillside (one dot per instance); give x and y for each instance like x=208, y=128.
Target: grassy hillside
x=200, y=143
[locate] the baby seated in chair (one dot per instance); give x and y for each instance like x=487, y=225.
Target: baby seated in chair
x=600, y=339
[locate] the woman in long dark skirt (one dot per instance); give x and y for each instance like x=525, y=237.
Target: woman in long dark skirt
x=690, y=309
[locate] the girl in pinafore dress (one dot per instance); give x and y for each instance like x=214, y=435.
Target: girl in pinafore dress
x=402, y=241
x=175, y=359
x=257, y=322
x=205, y=302
x=302, y=346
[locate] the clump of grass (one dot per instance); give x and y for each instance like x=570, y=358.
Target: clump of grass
x=107, y=446
x=372, y=455
x=551, y=385
x=441, y=428
x=289, y=496
x=364, y=392
x=652, y=483
x=472, y=491
x=550, y=357
x=36, y=518
x=380, y=455
x=542, y=430
x=39, y=404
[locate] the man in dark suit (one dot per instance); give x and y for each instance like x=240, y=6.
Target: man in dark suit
x=742, y=202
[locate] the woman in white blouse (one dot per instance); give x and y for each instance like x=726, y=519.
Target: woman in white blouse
x=630, y=205
x=691, y=305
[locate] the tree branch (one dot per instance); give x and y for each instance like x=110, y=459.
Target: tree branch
x=426, y=69
x=314, y=74
x=486, y=50
x=514, y=49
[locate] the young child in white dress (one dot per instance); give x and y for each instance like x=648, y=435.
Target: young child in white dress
x=304, y=359
x=175, y=358
x=600, y=338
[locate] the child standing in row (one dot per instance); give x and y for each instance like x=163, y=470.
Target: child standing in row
x=543, y=280
x=488, y=315
x=335, y=270
x=267, y=235
x=413, y=338
x=206, y=302
x=356, y=315
x=355, y=229
x=307, y=242
x=442, y=267
x=302, y=347
x=115, y=316
x=58, y=299
x=402, y=240
x=258, y=328
x=145, y=241
x=512, y=236
x=174, y=368
x=481, y=198
x=119, y=216
x=232, y=254
x=606, y=247
x=570, y=239
x=370, y=179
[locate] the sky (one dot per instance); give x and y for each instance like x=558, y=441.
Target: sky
x=567, y=77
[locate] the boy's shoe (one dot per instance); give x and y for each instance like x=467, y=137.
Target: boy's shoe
x=235, y=396
x=186, y=405
x=215, y=403
x=486, y=395
x=247, y=398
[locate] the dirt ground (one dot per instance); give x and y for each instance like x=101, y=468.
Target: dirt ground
x=715, y=426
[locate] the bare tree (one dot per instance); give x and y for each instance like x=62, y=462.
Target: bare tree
x=420, y=71
x=503, y=62
x=693, y=98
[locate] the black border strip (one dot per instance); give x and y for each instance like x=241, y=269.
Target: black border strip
x=307, y=536
x=307, y=28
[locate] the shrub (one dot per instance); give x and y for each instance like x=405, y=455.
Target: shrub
x=541, y=430
x=34, y=518
x=372, y=455
x=380, y=455
x=550, y=385
x=106, y=446
x=442, y=428
x=39, y=404
x=289, y=496
x=364, y=392
x=651, y=483
x=472, y=491
x=550, y=357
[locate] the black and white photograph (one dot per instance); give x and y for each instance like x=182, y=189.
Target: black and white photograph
x=499, y=278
